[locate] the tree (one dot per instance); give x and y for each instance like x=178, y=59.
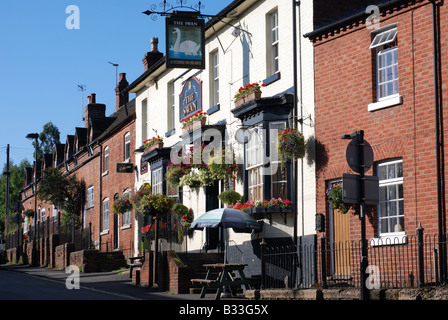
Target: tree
x=65, y=192
x=53, y=187
x=48, y=138
x=76, y=199
x=16, y=183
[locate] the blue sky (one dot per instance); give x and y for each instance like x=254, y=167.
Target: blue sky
x=42, y=62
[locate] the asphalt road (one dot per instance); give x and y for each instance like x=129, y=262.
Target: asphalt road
x=21, y=286
x=28, y=283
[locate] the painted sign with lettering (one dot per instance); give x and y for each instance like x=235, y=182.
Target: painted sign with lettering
x=190, y=98
x=185, y=42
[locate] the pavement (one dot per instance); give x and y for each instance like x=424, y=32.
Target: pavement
x=116, y=283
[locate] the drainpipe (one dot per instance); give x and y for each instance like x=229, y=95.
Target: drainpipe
x=439, y=140
x=296, y=6
x=101, y=194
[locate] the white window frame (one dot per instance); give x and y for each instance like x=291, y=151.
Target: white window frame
x=144, y=120
x=90, y=197
x=274, y=43
x=392, y=69
x=127, y=147
x=394, y=236
x=254, y=164
x=171, y=106
x=275, y=163
x=383, y=38
x=105, y=216
x=106, y=160
x=127, y=215
x=157, y=181
x=214, y=59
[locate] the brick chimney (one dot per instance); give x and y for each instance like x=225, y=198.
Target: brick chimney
x=153, y=56
x=122, y=97
x=93, y=110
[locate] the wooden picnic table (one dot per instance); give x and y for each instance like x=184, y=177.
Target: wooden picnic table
x=225, y=278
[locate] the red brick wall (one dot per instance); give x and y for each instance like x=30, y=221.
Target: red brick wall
x=89, y=169
x=116, y=183
x=344, y=86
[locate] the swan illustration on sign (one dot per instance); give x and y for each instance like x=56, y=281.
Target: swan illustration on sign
x=187, y=47
x=185, y=43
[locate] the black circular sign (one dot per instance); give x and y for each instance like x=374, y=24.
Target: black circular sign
x=353, y=158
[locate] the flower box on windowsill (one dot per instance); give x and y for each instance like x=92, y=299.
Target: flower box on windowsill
x=251, y=96
x=190, y=126
x=274, y=209
x=266, y=212
x=157, y=145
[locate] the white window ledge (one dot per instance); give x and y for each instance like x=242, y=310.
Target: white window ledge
x=392, y=101
x=390, y=239
x=104, y=232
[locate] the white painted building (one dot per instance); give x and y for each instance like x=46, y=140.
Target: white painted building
x=253, y=43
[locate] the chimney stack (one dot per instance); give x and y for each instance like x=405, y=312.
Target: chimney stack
x=153, y=56
x=92, y=98
x=122, y=97
x=93, y=110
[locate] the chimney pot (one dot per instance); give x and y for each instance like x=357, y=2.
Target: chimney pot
x=92, y=98
x=152, y=56
x=121, y=97
x=154, y=44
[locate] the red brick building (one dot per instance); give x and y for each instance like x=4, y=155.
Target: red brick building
x=387, y=79
x=100, y=154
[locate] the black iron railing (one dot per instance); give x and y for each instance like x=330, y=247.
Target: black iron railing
x=397, y=262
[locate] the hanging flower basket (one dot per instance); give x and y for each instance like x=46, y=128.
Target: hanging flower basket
x=291, y=144
x=121, y=205
x=334, y=196
x=224, y=167
x=156, y=205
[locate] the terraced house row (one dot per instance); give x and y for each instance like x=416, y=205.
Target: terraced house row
x=326, y=70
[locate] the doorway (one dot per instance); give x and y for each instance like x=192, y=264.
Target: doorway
x=213, y=235
x=340, y=242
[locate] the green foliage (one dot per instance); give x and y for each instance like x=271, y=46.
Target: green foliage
x=122, y=204
x=64, y=192
x=76, y=198
x=16, y=182
x=48, y=138
x=156, y=205
x=53, y=187
x=334, y=194
x=229, y=197
x=180, y=210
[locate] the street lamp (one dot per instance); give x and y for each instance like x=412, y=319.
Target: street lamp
x=34, y=136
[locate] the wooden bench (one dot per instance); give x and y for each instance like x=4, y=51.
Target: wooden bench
x=206, y=281
x=133, y=264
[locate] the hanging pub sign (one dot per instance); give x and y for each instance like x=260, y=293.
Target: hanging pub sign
x=185, y=42
x=190, y=98
x=125, y=167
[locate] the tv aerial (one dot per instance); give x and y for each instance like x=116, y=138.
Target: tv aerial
x=82, y=88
